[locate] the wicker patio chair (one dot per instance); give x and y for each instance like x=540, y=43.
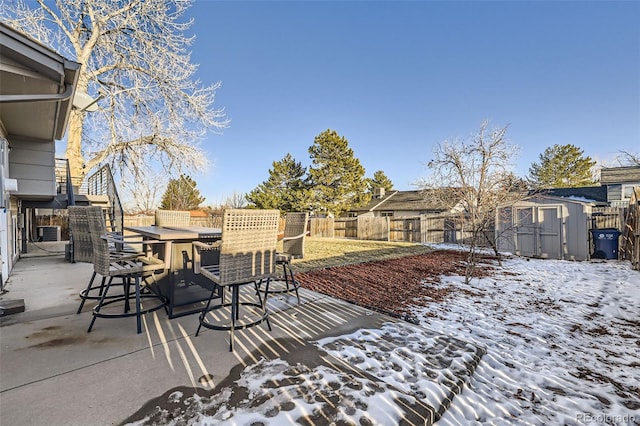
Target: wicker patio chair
x=82, y=248
x=247, y=256
x=172, y=218
x=295, y=231
x=128, y=268
x=80, y=234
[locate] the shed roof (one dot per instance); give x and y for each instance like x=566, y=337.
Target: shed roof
x=594, y=193
x=576, y=200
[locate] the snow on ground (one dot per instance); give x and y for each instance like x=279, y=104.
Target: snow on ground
x=561, y=345
x=562, y=341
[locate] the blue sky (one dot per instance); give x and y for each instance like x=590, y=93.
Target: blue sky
x=395, y=78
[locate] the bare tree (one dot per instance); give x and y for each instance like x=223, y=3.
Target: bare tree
x=135, y=62
x=476, y=176
x=236, y=200
x=143, y=195
x=627, y=158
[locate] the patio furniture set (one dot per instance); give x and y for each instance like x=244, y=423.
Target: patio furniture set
x=185, y=269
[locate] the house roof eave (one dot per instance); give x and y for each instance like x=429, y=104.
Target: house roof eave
x=39, y=85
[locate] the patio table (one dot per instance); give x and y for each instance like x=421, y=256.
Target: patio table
x=186, y=292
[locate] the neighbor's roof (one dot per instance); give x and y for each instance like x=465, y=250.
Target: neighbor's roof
x=429, y=200
x=198, y=213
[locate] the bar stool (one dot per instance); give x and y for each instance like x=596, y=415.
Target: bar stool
x=129, y=269
x=82, y=250
x=247, y=256
x=295, y=231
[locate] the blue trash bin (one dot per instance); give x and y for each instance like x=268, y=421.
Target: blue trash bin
x=605, y=243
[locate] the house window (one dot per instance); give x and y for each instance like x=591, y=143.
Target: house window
x=386, y=214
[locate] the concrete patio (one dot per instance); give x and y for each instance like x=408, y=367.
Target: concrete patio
x=308, y=369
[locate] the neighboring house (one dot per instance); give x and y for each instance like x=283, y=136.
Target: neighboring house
x=620, y=182
x=616, y=187
x=37, y=88
x=409, y=203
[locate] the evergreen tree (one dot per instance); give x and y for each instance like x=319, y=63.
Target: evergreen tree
x=285, y=189
x=181, y=194
x=562, y=166
x=514, y=183
x=380, y=180
x=336, y=175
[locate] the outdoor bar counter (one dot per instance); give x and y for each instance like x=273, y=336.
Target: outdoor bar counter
x=186, y=292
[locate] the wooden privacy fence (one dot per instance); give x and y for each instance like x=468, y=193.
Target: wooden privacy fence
x=416, y=229
x=405, y=229
x=373, y=228
x=322, y=227
x=440, y=228
x=607, y=217
x=344, y=227
x=630, y=241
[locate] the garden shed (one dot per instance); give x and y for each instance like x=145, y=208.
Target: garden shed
x=546, y=227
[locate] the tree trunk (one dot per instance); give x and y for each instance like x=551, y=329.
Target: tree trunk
x=493, y=245
x=74, y=147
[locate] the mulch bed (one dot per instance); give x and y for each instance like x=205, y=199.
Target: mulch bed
x=392, y=285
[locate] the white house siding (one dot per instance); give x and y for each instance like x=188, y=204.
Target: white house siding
x=402, y=213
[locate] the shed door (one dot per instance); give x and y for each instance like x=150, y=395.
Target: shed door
x=526, y=244
x=549, y=231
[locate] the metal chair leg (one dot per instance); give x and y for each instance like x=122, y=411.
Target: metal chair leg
x=295, y=284
x=138, y=305
x=84, y=293
x=127, y=292
x=204, y=312
x=99, y=306
x=264, y=305
x=290, y=279
x=234, y=313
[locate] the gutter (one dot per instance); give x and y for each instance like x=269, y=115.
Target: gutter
x=57, y=97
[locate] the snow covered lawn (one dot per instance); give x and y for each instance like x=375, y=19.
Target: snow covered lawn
x=562, y=341
x=558, y=343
